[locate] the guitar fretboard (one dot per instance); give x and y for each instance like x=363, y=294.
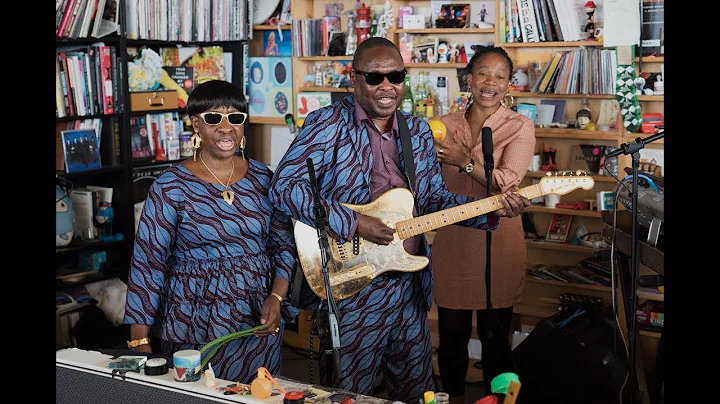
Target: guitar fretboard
x=418, y=225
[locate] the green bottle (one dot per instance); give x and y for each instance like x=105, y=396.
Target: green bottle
x=407, y=105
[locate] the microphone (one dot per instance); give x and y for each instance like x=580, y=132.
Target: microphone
x=487, y=148
x=639, y=143
x=290, y=121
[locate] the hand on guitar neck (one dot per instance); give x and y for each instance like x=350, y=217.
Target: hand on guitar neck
x=514, y=203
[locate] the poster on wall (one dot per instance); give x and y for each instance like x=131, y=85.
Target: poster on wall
x=308, y=102
x=270, y=89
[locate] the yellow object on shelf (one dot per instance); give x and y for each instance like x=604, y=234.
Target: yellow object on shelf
x=438, y=129
x=299, y=123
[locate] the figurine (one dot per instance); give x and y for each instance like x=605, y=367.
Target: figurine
x=590, y=25
x=454, y=53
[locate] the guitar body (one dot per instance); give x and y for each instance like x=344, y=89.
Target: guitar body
x=349, y=273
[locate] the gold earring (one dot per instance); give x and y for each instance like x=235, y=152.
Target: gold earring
x=505, y=103
x=242, y=148
x=195, y=141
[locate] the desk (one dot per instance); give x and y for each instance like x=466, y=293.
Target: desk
x=84, y=377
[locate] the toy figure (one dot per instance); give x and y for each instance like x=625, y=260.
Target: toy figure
x=454, y=53
x=590, y=25
x=64, y=218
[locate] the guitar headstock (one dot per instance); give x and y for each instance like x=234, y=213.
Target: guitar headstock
x=563, y=182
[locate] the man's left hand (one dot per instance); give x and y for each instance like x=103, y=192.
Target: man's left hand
x=514, y=203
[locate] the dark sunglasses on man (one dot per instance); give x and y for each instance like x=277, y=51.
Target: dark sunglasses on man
x=375, y=78
x=214, y=118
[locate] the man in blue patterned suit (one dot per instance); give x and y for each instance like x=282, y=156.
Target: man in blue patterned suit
x=357, y=156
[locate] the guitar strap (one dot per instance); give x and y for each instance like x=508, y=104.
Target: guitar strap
x=407, y=152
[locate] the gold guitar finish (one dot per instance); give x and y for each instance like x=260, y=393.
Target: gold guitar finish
x=349, y=273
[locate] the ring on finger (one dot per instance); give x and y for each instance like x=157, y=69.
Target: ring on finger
x=440, y=151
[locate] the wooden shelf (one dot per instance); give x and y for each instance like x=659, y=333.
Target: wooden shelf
x=549, y=245
x=77, y=244
x=267, y=120
x=543, y=174
x=556, y=44
x=651, y=59
x=437, y=65
x=543, y=95
x=652, y=334
x=446, y=31
x=572, y=133
x=650, y=294
x=633, y=136
x=573, y=212
x=328, y=89
x=570, y=284
x=651, y=98
x=79, y=118
x=323, y=58
x=270, y=27
x=103, y=170
x=532, y=311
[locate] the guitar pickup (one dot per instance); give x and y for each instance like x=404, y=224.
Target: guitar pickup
x=356, y=244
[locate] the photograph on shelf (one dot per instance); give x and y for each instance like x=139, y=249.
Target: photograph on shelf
x=559, y=228
x=276, y=44
x=208, y=62
x=482, y=14
x=82, y=150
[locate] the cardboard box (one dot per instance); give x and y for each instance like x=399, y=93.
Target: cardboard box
x=153, y=100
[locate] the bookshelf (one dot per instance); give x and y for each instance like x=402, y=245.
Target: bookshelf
x=116, y=140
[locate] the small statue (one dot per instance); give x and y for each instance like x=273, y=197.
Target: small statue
x=590, y=25
x=454, y=52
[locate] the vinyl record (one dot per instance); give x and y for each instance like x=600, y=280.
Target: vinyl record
x=263, y=9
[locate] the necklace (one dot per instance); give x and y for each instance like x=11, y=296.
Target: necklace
x=227, y=194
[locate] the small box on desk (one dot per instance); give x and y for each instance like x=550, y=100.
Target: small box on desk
x=95, y=260
x=153, y=100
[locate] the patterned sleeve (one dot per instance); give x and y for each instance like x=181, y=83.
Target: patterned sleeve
x=516, y=156
x=155, y=237
x=433, y=194
x=281, y=246
x=290, y=189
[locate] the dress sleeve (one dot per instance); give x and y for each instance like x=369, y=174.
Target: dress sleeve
x=281, y=246
x=516, y=157
x=153, y=242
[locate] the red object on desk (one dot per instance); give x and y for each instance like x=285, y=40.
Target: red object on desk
x=491, y=399
x=573, y=205
x=649, y=122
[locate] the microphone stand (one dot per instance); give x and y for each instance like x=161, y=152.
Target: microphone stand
x=332, y=362
x=489, y=165
x=633, y=149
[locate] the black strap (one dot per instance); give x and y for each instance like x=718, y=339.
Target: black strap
x=407, y=151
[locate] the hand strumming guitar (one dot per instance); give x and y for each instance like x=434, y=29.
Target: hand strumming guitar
x=374, y=230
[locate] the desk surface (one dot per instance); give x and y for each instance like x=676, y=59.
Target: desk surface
x=97, y=363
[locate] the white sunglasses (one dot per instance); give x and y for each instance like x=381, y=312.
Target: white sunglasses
x=214, y=118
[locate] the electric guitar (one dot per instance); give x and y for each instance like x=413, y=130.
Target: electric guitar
x=350, y=272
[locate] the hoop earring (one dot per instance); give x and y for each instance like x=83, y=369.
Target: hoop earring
x=195, y=141
x=505, y=103
x=242, y=148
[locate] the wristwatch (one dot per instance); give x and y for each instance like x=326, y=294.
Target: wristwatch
x=469, y=167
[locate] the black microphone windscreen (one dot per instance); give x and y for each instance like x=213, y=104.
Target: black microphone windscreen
x=487, y=143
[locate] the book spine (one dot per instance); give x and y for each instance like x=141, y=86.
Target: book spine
x=528, y=22
x=106, y=77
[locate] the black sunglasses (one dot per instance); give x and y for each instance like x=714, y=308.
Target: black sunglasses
x=375, y=78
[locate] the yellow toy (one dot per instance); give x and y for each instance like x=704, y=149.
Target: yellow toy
x=438, y=129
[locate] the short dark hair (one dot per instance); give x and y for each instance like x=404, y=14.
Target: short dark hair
x=215, y=93
x=372, y=43
x=484, y=50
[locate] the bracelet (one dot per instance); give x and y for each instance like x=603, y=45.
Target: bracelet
x=280, y=298
x=137, y=342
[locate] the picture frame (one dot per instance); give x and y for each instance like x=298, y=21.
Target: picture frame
x=559, y=228
x=82, y=150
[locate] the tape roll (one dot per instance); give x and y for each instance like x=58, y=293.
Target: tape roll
x=156, y=367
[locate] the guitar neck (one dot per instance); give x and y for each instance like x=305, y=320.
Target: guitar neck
x=418, y=225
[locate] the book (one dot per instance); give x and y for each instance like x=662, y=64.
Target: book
x=529, y=110
x=139, y=139
x=482, y=14
x=207, y=61
x=652, y=32
x=559, y=113
x=81, y=150
x=276, y=44
x=559, y=228
x=106, y=23
x=528, y=21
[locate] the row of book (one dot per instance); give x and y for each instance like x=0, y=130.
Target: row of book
x=156, y=136
x=83, y=18
x=542, y=20
x=87, y=80
x=187, y=20
x=590, y=271
x=582, y=71
x=308, y=37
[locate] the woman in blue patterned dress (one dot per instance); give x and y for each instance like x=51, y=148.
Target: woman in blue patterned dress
x=212, y=255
